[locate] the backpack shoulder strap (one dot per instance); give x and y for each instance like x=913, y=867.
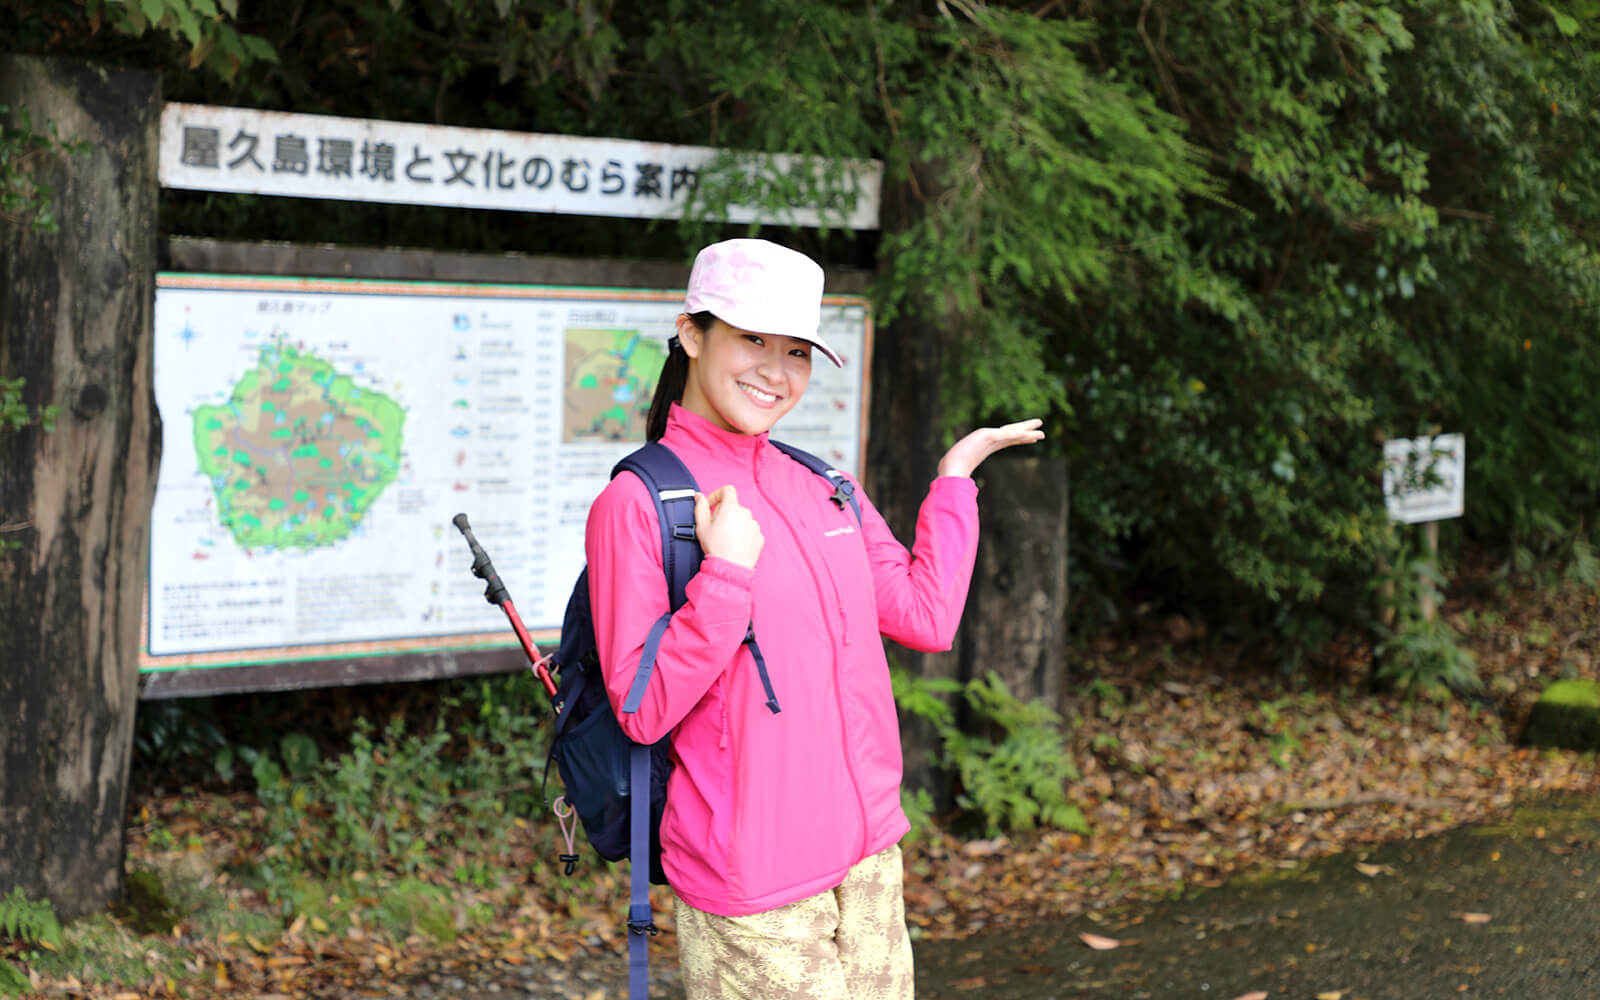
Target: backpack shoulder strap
x=672, y=487
x=844, y=491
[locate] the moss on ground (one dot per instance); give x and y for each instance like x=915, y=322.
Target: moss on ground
x=1566, y=716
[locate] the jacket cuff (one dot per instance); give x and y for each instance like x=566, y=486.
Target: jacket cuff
x=728, y=572
x=961, y=485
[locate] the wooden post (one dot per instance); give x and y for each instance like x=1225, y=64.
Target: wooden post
x=75, y=321
x=1430, y=544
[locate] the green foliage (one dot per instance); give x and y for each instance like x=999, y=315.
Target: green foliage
x=24, y=198
x=1018, y=781
x=1417, y=655
x=131, y=944
x=411, y=906
x=28, y=921
x=918, y=807
x=13, y=981
x=1231, y=252
x=404, y=802
x=145, y=907
x=14, y=416
x=168, y=731
x=205, y=26
x=1015, y=778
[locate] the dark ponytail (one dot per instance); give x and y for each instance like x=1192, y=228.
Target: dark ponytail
x=669, y=384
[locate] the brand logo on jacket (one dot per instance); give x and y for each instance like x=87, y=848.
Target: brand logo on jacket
x=848, y=529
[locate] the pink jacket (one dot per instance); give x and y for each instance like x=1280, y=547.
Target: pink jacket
x=764, y=809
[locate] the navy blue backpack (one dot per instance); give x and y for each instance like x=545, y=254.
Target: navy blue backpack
x=598, y=763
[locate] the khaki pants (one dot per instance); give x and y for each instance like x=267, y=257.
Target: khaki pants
x=848, y=943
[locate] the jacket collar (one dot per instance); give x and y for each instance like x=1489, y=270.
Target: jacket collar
x=687, y=429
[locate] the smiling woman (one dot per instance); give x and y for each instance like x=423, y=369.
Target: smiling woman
x=782, y=819
x=742, y=381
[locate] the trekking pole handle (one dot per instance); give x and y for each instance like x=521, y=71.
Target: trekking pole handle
x=496, y=593
x=482, y=568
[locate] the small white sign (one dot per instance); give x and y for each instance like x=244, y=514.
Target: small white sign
x=1425, y=479
x=250, y=151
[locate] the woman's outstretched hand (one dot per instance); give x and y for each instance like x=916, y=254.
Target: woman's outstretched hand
x=967, y=454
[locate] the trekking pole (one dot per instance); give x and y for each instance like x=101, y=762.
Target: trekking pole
x=496, y=593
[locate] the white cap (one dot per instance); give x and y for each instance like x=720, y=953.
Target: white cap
x=762, y=287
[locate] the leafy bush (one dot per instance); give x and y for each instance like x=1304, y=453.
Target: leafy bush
x=1418, y=655
x=1014, y=782
x=405, y=802
x=27, y=922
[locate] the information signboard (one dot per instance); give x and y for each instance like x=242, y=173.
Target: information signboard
x=1424, y=479
x=319, y=435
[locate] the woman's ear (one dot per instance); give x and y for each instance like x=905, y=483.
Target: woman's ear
x=689, y=335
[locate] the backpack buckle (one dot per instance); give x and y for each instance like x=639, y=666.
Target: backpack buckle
x=684, y=532
x=639, y=920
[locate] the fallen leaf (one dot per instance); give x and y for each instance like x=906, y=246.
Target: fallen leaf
x=984, y=848
x=1476, y=918
x=1252, y=995
x=1330, y=995
x=975, y=983
x=1373, y=871
x=1099, y=943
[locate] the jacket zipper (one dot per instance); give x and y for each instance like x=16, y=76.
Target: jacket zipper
x=833, y=649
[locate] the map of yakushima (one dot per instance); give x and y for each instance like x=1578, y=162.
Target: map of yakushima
x=299, y=452
x=611, y=375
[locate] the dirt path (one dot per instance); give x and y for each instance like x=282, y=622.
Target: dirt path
x=1506, y=910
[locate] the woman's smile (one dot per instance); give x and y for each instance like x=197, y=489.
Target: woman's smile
x=743, y=381
x=760, y=397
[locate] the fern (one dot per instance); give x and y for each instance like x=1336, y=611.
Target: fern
x=1017, y=783
x=28, y=922
x=13, y=981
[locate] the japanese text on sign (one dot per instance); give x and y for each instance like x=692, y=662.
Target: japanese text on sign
x=248, y=151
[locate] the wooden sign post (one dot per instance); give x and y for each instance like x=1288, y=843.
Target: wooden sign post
x=1424, y=482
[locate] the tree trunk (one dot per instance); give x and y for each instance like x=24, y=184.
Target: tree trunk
x=1015, y=623
x=907, y=441
x=75, y=322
